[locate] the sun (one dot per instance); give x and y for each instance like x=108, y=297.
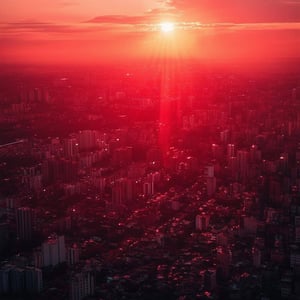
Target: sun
x=167, y=27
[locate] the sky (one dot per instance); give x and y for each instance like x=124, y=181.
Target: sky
x=91, y=31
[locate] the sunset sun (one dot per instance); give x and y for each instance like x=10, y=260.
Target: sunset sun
x=167, y=27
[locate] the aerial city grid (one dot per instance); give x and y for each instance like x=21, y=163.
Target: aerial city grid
x=149, y=149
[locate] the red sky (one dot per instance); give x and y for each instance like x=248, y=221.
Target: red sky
x=88, y=31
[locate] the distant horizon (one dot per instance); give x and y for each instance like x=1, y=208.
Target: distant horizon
x=281, y=64
x=63, y=32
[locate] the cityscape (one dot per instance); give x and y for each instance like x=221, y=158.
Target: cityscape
x=152, y=151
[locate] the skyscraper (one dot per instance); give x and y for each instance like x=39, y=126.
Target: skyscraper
x=54, y=251
x=82, y=285
x=33, y=280
x=73, y=254
x=25, y=218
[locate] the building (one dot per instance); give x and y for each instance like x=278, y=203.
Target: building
x=211, y=185
x=202, y=222
x=5, y=279
x=230, y=151
x=82, y=285
x=209, y=171
x=73, y=254
x=71, y=147
x=18, y=281
x=53, y=251
x=256, y=256
x=243, y=164
x=25, y=218
x=87, y=140
x=124, y=190
x=210, y=279
x=224, y=259
x=33, y=280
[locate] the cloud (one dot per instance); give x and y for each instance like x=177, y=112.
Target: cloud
x=121, y=19
x=123, y=25
x=241, y=11
x=193, y=15
x=241, y=26
x=151, y=16
x=34, y=27
x=44, y=27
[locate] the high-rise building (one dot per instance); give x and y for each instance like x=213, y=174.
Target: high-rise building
x=17, y=280
x=295, y=258
x=25, y=217
x=5, y=279
x=87, y=140
x=71, y=147
x=202, y=222
x=224, y=258
x=54, y=251
x=243, y=164
x=255, y=154
x=211, y=185
x=73, y=253
x=210, y=279
x=216, y=151
x=82, y=285
x=233, y=167
x=124, y=190
x=209, y=171
x=230, y=151
x=224, y=136
x=256, y=256
x=33, y=280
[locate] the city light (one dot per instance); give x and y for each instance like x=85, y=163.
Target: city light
x=149, y=150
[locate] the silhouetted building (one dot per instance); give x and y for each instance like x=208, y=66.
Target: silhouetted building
x=54, y=251
x=25, y=222
x=82, y=285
